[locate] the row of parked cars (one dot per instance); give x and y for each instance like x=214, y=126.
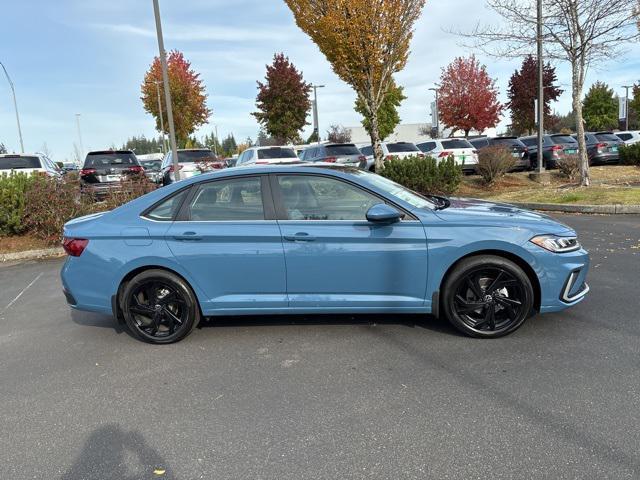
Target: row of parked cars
x=102, y=170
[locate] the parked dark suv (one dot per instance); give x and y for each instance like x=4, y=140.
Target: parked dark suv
x=342, y=153
x=518, y=149
x=602, y=147
x=102, y=171
x=555, y=147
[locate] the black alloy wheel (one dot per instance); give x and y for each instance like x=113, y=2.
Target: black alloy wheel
x=159, y=307
x=488, y=297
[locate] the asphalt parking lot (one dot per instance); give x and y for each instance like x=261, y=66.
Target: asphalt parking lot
x=326, y=397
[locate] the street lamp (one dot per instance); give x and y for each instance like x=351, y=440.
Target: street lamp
x=15, y=105
x=79, y=135
x=164, y=144
x=437, y=113
x=316, y=123
x=626, y=106
x=167, y=93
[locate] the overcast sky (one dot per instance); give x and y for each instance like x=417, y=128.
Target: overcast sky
x=90, y=56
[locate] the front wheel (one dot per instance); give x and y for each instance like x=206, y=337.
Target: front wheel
x=159, y=307
x=487, y=297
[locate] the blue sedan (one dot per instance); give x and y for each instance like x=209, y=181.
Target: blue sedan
x=298, y=239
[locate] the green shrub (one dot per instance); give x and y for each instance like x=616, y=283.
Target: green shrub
x=12, y=201
x=630, y=154
x=569, y=166
x=425, y=175
x=494, y=162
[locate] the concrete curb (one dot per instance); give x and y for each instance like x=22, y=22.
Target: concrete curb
x=598, y=209
x=31, y=254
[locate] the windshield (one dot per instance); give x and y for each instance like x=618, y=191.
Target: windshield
x=110, y=159
x=453, y=144
x=342, y=150
x=276, y=152
x=151, y=164
x=402, y=147
x=191, y=156
x=17, y=163
x=395, y=190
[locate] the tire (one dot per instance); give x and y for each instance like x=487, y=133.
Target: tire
x=159, y=307
x=487, y=296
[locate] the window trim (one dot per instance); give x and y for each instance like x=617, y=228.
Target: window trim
x=281, y=211
x=265, y=190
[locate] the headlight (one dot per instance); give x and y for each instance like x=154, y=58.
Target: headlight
x=556, y=244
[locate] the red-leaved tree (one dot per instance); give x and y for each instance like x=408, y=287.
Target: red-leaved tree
x=188, y=97
x=283, y=101
x=468, y=97
x=523, y=92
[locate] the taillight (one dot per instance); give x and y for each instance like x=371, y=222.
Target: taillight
x=136, y=169
x=600, y=146
x=87, y=171
x=362, y=158
x=421, y=155
x=445, y=154
x=74, y=246
x=331, y=159
x=217, y=165
x=172, y=168
x=389, y=157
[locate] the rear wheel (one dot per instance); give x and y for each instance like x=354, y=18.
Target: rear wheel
x=487, y=296
x=159, y=307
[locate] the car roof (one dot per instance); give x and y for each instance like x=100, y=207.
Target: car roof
x=270, y=147
x=17, y=155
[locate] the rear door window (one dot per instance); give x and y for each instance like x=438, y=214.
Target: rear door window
x=166, y=210
x=238, y=199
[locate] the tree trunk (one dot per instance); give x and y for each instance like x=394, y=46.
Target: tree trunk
x=378, y=153
x=577, y=85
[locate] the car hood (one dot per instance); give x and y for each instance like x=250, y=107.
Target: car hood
x=480, y=212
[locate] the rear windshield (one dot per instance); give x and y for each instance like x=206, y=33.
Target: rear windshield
x=151, y=164
x=529, y=142
x=510, y=142
x=402, y=147
x=191, y=156
x=273, y=153
x=16, y=163
x=342, y=150
x=625, y=136
x=369, y=150
x=559, y=139
x=607, y=137
x=110, y=159
x=457, y=143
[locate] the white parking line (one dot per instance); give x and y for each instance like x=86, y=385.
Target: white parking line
x=20, y=294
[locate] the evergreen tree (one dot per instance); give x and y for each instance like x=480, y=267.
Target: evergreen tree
x=600, y=108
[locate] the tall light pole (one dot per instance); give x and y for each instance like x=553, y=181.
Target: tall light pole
x=540, y=166
x=79, y=136
x=15, y=106
x=316, y=123
x=167, y=93
x=164, y=142
x=437, y=113
x=626, y=106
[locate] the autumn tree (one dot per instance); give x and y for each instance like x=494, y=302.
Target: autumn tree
x=582, y=33
x=600, y=108
x=388, y=117
x=338, y=134
x=365, y=42
x=188, y=97
x=283, y=101
x=523, y=92
x=468, y=97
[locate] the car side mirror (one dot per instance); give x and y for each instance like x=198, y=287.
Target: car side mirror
x=383, y=213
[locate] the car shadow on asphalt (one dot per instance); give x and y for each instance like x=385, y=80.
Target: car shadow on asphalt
x=88, y=319
x=110, y=451
x=426, y=322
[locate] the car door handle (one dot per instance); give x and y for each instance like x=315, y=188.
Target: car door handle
x=188, y=237
x=300, y=237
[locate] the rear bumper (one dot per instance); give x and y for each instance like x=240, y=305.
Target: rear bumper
x=600, y=158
